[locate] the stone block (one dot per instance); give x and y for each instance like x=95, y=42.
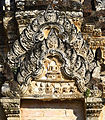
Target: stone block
x=69, y=113
x=32, y=112
x=54, y=113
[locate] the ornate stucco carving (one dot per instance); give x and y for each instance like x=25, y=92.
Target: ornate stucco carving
x=100, y=5
x=52, y=48
x=11, y=107
x=92, y=105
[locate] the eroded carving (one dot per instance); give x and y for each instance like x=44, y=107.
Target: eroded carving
x=51, y=50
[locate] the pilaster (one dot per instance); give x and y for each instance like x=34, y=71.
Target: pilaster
x=11, y=108
x=93, y=108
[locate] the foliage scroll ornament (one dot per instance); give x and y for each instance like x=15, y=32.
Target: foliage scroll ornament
x=51, y=34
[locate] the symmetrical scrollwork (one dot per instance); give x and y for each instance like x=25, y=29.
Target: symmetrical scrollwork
x=52, y=36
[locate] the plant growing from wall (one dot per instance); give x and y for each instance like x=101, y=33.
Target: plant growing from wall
x=87, y=93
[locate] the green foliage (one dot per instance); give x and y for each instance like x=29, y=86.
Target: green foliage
x=87, y=93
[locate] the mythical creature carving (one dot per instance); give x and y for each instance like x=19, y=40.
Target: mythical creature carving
x=51, y=34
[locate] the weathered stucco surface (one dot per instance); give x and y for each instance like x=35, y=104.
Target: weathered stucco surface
x=52, y=59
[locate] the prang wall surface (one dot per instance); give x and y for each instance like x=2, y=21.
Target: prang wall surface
x=52, y=50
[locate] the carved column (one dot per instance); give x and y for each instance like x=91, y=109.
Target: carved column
x=12, y=108
x=93, y=108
